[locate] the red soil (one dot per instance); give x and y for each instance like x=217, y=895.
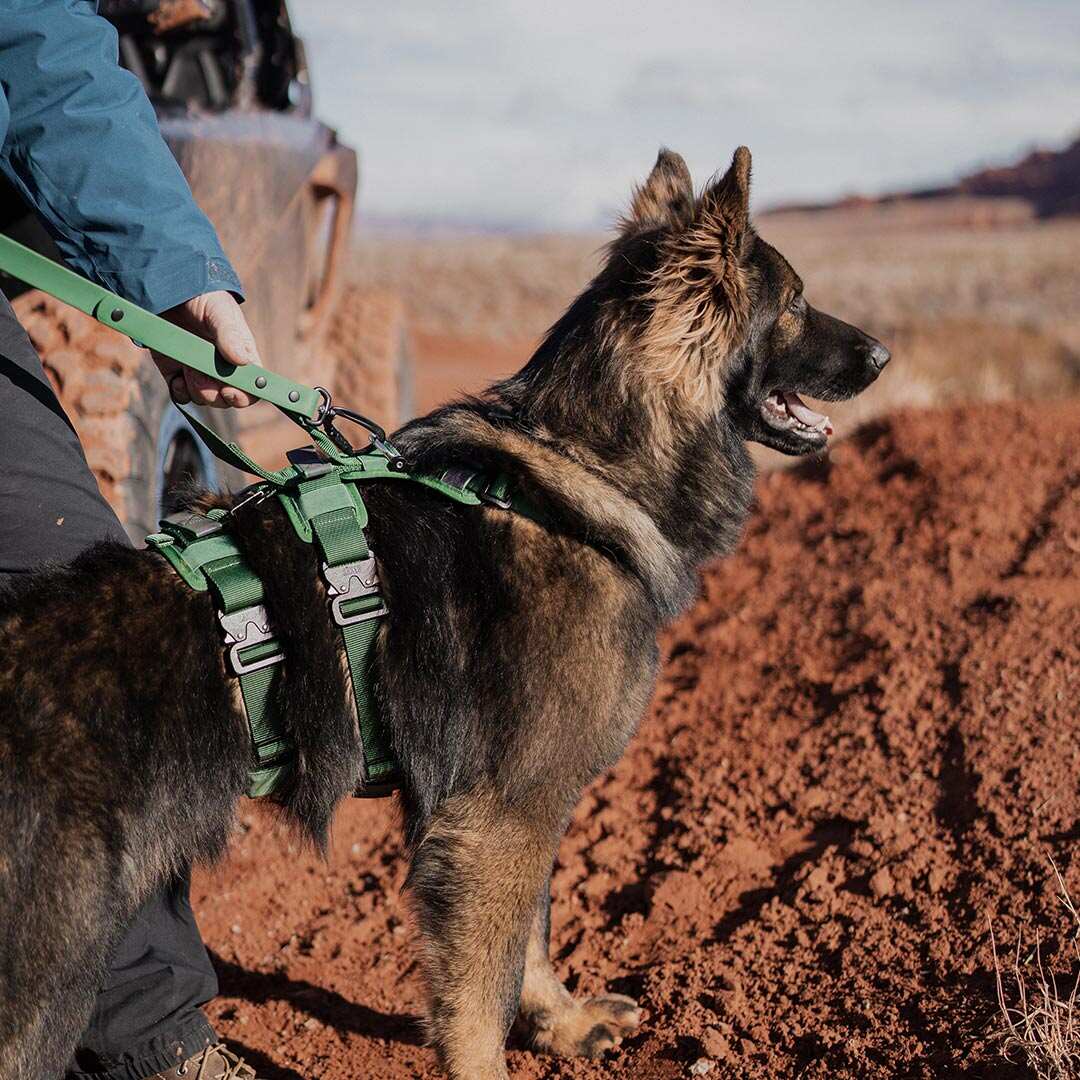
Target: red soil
x=861, y=748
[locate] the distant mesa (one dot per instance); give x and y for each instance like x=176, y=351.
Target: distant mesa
x=1048, y=180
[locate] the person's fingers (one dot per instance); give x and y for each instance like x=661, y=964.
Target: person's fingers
x=234, y=340
x=230, y=330
x=176, y=378
x=217, y=317
x=236, y=398
x=173, y=375
x=178, y=390
x=203, y=389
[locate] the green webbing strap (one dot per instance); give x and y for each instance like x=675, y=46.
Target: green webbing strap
x=379, y=764
x=232, y=453
x=239, y=593
x=329, y=511
x=273, y=754
x=208, y=558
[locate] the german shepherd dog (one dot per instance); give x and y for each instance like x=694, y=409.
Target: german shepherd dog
x=515, y=663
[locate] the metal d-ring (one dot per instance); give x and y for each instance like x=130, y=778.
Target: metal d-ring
x=327, y=405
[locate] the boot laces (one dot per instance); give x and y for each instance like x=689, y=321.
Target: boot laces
x=235, y=1068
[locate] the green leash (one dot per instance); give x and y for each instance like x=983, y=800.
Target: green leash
x=320, y=493
x=154, y=332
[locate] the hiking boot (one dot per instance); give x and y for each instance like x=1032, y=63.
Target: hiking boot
x=213, y=1063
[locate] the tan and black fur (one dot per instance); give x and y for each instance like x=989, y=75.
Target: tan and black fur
x=514, y=665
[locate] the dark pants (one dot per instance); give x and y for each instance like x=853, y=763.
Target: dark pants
x=147, y=1016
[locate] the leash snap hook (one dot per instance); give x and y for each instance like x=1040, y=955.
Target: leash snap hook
x=378, y=434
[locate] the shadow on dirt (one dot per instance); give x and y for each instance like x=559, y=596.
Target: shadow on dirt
x=326, y=1006
x=836, y=832
x=264, y=1068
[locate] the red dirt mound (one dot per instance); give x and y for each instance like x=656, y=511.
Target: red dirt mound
x=861, y=748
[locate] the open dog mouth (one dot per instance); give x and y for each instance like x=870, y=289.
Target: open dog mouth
x=784, y=410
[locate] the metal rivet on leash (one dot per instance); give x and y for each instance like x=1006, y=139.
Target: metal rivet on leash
x=117, y=314
x=294, y=395
x=260, y=382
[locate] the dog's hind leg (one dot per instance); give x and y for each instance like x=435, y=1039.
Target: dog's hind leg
x=476, y=879
x=551, y=1019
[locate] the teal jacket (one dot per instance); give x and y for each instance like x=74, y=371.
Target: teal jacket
x=80, y=141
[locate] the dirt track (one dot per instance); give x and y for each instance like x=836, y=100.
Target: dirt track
x=862, y=744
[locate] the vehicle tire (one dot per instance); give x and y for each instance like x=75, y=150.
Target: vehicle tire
x=140, y=449
x=369, y=339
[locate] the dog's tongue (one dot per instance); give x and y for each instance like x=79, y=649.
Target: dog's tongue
x=804, y=414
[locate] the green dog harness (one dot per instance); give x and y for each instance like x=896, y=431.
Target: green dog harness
x=320, y=492
x=323, y=503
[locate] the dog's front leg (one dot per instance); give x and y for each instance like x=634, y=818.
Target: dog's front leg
x=557, y=1023
x=476, y=878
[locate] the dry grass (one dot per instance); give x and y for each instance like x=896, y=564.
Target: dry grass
x=1043, y=1026
x=976, y=303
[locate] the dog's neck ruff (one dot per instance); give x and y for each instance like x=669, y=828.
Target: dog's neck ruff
x=324, y=505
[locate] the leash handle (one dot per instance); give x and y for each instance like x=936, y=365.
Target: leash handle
x=152, y=331
x=308, y=407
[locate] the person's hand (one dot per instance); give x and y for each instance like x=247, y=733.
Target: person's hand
x=217, y=317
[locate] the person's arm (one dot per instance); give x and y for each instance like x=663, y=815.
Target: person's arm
x=84, y=149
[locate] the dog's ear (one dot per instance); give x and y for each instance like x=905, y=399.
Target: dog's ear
x=726, y=202
x=666, y=199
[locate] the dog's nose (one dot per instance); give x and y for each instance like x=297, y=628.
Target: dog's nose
x=878, y=356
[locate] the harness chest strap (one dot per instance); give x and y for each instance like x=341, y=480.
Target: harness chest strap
x=209, y=560
x=328, y=511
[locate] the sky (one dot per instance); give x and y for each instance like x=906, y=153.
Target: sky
x=534, y=114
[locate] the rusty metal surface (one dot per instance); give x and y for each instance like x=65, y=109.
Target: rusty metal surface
x=259, y=177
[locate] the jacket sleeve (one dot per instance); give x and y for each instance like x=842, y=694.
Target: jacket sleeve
x=84, y=149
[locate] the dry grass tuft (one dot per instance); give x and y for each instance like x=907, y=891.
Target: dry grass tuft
x=1044, y=1025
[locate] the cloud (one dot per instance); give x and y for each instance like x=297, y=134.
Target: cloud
x=507, y=112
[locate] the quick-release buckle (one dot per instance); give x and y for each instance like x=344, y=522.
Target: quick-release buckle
x=352, y=581
x=244, y=628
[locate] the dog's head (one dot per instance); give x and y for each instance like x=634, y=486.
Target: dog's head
x=724, y=325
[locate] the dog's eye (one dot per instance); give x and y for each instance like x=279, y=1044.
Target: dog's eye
x=797, y=305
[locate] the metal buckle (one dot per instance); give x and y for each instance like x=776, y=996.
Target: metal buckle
x=244, y=628
x=486, y=496
x=325, y=405
x=350, y=581
x=252, y=495
x=308, y=461
x=192, y=527
x=361, y=616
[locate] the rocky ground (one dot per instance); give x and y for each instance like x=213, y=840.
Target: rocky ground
x=861, y=752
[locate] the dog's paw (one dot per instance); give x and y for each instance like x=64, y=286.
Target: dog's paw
x=586, y=1028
